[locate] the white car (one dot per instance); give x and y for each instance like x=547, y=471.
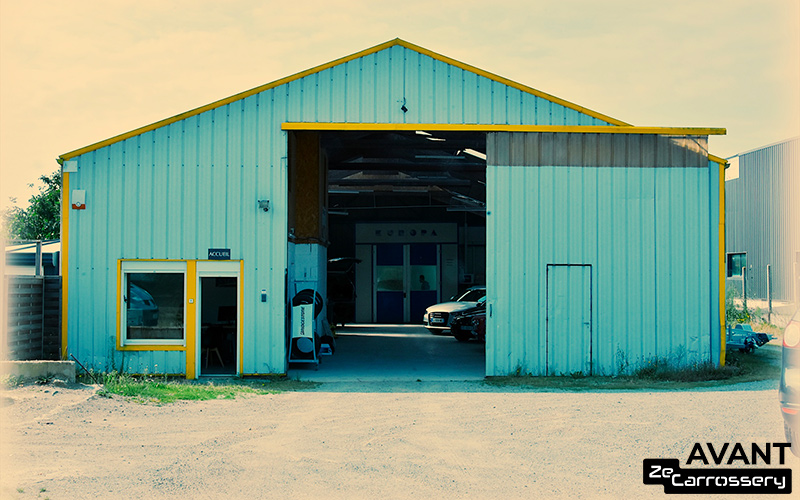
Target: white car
x=438, y=316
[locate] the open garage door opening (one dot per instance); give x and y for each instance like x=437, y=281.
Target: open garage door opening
x=402, y=220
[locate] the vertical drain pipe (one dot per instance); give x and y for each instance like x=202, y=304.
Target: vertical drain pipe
x=744, y=287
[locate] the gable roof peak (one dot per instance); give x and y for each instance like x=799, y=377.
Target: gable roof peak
x=377, y=48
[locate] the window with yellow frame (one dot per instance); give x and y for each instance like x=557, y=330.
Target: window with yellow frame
x=152, y=303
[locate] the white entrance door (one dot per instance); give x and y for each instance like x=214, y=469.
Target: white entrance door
x=218, y=318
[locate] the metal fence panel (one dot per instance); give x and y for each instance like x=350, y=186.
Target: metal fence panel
x=33, y=319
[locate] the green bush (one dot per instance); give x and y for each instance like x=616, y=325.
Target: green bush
x=734, y=313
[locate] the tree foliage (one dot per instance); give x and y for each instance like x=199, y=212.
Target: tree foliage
x=41, y=219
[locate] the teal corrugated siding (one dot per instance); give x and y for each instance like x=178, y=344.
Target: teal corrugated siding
x=646, y=232
x=174, y=192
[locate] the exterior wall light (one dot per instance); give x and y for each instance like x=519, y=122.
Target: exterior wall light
x=263, y=205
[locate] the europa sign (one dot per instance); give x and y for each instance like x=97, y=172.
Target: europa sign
x=219, y=254
x=407, y=233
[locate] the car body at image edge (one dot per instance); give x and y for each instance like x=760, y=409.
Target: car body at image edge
x=789, y=392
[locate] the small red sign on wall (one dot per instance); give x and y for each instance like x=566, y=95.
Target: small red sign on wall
x=79, y=199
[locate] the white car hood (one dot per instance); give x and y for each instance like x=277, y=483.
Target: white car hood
x=450, y=307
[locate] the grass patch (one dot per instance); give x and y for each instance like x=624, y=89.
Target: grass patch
x=763, y=364
x=159, y=390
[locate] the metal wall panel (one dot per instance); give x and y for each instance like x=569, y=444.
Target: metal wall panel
x=763, y=218
x=174, y=192
x=646, y=232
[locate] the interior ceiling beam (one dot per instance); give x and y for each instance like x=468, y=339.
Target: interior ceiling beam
x=356, y=154
x=418, y=181
x=409, y=168
x=404, y=159
x=399, y=183
x=417, y=144
x=402, y=144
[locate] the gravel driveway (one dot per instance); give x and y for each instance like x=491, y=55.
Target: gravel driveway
x=346, y=440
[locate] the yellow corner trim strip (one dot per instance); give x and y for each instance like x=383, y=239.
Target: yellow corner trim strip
x=722, y=265
x=191, y=319
x=443, y=127
x=322, y=67
x=241, y=316
x=119, y=305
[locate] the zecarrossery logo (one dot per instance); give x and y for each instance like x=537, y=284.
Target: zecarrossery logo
x=668, y=473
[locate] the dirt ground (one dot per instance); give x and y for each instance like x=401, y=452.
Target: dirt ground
x=348, y=440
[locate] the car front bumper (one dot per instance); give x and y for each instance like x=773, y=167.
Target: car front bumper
x=439, y=322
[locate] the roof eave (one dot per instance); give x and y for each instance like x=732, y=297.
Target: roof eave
x=336, y=62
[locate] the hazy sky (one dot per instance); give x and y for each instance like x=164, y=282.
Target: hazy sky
x=74, y=73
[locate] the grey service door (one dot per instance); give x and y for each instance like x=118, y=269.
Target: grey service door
x=569, y=319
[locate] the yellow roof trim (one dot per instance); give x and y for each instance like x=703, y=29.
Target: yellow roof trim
x=317, y=69
x=226, y=101
x=445, y=127
x=717, y=159
x=510, y=83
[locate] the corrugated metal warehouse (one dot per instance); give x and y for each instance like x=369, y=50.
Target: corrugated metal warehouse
x=763, y=220
x=600, y=243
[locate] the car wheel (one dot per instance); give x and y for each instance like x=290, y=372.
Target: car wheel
x=462, y=337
